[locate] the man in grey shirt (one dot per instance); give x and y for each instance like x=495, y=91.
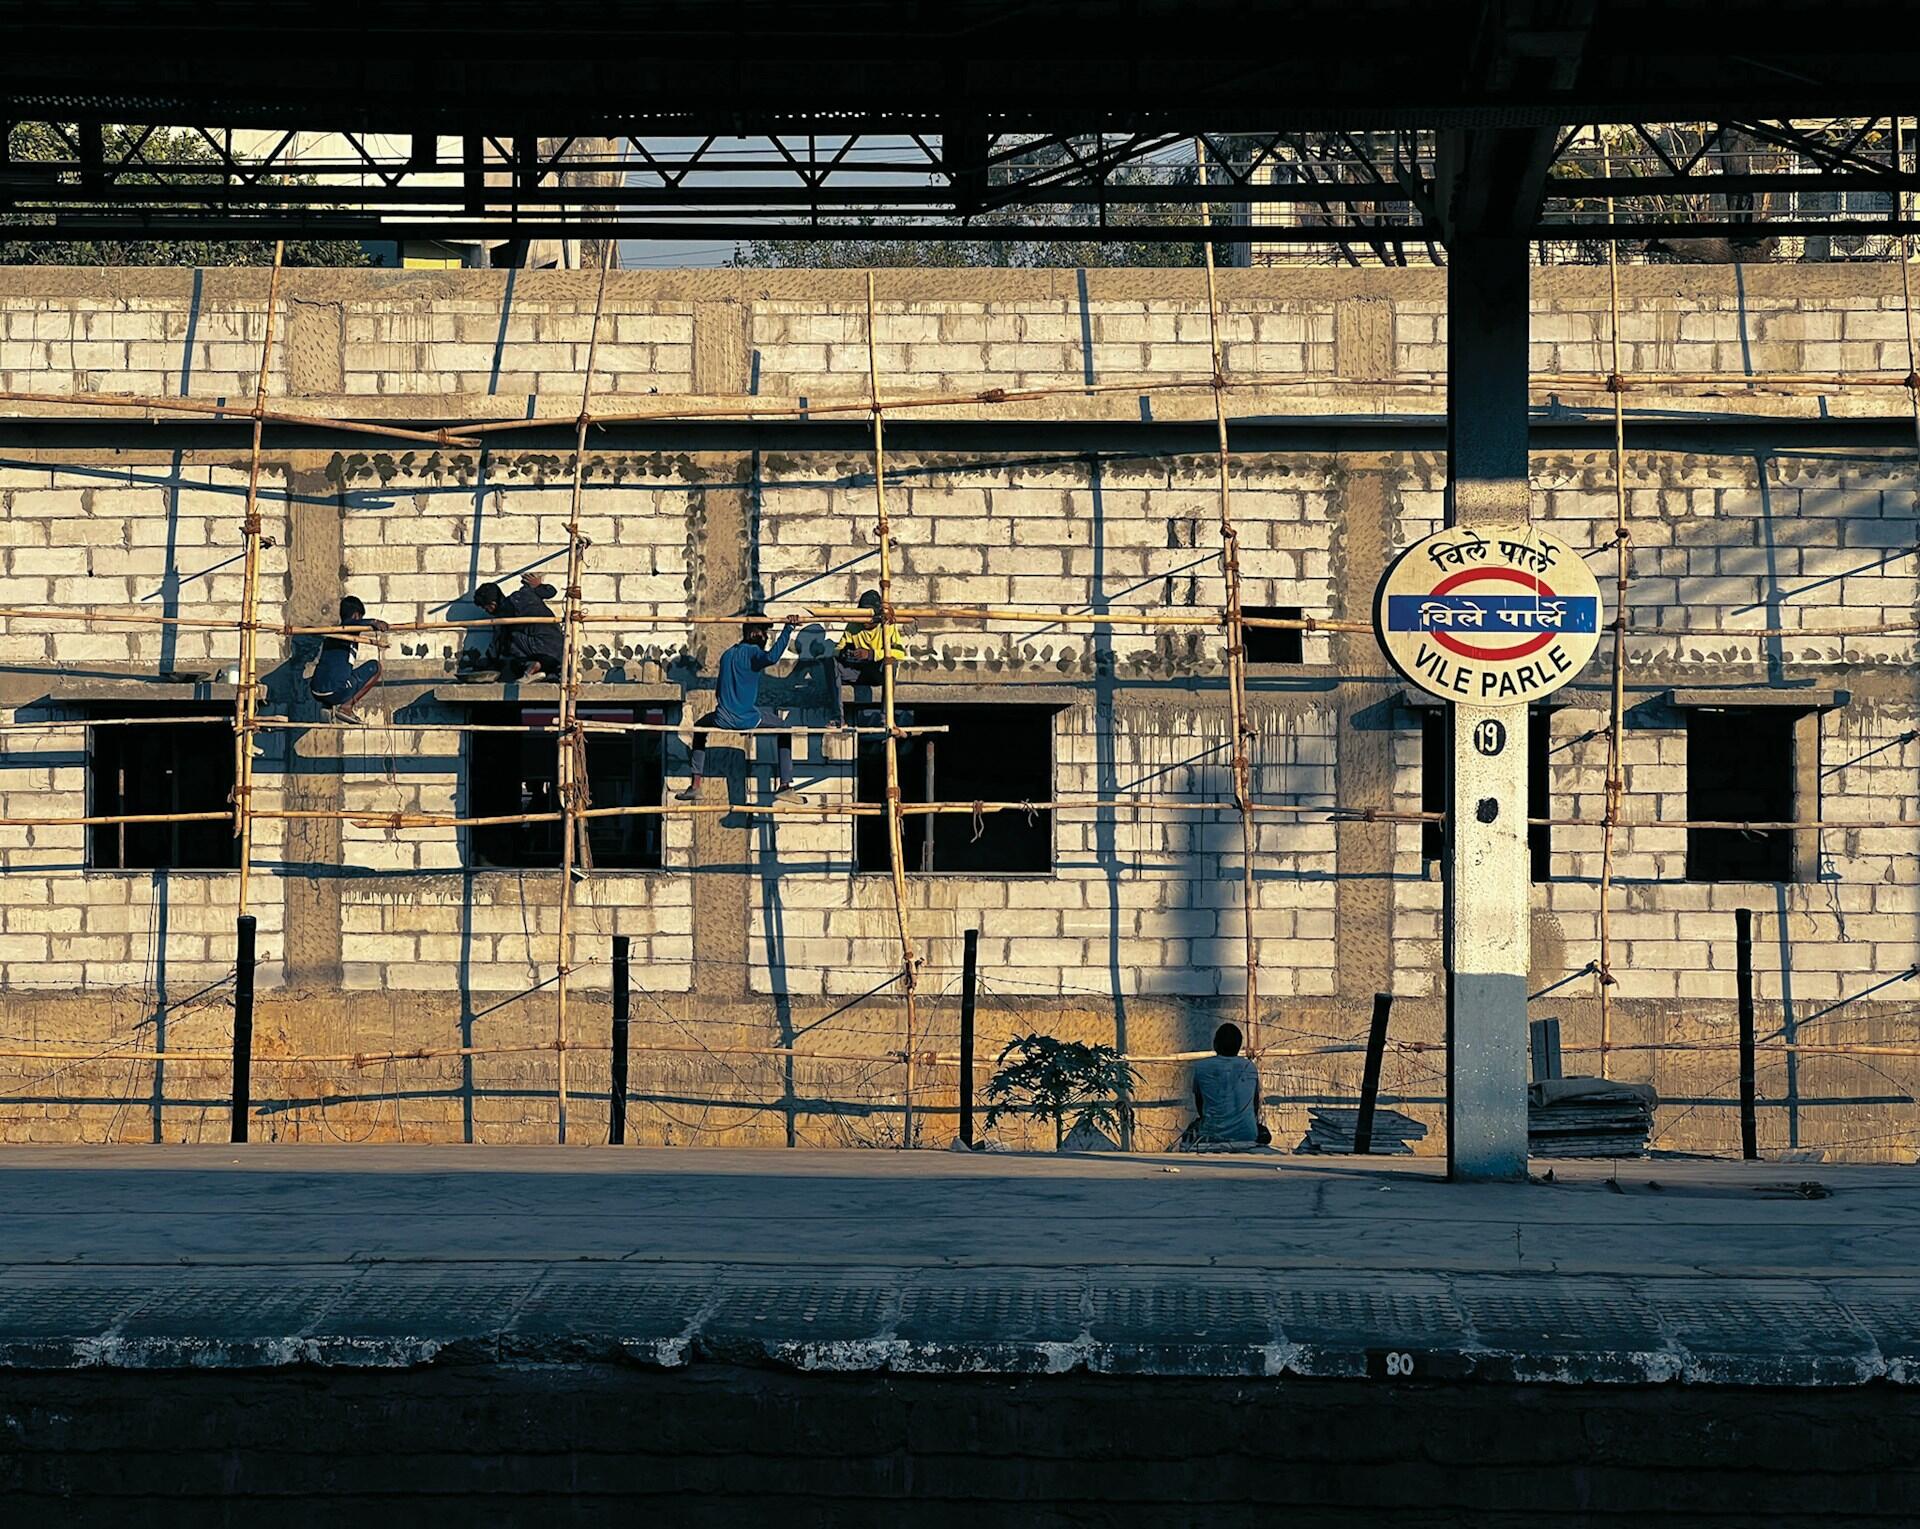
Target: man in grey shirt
x=1226, y=1094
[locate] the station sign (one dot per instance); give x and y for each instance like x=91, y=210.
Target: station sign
x=1488, y=617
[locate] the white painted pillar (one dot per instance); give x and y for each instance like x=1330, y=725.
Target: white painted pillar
x=1490, y=934
x=1488, y=282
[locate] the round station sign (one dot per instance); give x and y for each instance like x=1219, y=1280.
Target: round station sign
x=1488, y=617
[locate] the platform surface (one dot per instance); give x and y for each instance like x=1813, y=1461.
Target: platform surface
x=1704, y=1272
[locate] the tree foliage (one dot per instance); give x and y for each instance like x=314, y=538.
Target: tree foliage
x=30, y=143
x=1047, y=1079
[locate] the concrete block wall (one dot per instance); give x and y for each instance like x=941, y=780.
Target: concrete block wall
x=153, y=541
x=1141, y=899
x=1053, y=531
x=752, y=931
x=376, y=334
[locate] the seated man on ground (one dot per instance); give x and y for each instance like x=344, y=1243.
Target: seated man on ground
x=522, y=651
x=1226, y=1097
x=338, y=683
x=737, y=705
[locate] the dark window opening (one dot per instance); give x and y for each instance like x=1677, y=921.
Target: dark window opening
x=147, y=769
x=1436, y=777
x=510, y=774
x=1740, y=769
x=1274, y=645
x=987, y=754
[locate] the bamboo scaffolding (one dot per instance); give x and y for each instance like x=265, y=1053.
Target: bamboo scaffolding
x=570, y=729
x=1616, y=710
x=245, y=699
x=570, y=776
x=1236, y=634
x=896, y=850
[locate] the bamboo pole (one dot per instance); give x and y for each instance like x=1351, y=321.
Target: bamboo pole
x=924, y=1058
x=1236, y=634
x=1905, y=255
x=245, y=701
x=1616, y=711
x=398, y=820
x=570, y=778
x=225, y=412
x=914, y=614
x=896, y=851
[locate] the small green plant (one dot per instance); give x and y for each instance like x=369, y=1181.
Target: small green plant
x=1048, y=1079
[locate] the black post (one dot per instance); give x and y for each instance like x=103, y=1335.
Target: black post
x=617, y=1095
x=1743, y=988
x=242, y=1026
x=1370, y=1079
x=968, y=974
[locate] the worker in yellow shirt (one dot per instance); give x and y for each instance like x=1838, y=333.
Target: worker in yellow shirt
x=860, y=660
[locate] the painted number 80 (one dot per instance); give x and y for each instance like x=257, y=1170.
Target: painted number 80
x=1399, y=1365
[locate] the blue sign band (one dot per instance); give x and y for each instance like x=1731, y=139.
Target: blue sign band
x=1493, y=615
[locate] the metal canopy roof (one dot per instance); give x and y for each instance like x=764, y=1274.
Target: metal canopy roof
x=918, y=116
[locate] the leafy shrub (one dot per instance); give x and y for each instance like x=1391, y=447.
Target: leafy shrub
x=1047, y=1079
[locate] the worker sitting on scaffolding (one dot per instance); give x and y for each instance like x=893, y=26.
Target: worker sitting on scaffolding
x=338, y=683
x=737, y=704
x=861, y=658
x=527, y=648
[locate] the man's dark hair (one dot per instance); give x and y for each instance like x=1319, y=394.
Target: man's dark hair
x=1226, y=1040
x=351, y=608
x=870, y=601
x=756, y=631
x=487, y=596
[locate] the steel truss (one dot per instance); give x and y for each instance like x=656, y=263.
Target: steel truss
x=894, y=177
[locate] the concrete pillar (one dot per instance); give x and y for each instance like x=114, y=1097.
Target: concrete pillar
x=1487, y=885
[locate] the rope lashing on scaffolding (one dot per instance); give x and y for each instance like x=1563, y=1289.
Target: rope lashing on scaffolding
x=979, y=822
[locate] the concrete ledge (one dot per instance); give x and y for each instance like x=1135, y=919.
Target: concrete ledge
x=1300, y=1325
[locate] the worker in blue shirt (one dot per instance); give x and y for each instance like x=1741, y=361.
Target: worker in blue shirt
x=737, y=704
x=338, y=683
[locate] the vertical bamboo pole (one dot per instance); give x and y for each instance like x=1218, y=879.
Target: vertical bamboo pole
x=910, y=962
x=1623, y=551
x=1236, y=632
x=244, y=706
x=570, y=762
x=1904, y=254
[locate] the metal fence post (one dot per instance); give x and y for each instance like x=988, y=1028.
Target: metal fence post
x=242, y=1025
x=969, y=974
x=1370, y=1078
x=617, y=1094
x=1743, y=988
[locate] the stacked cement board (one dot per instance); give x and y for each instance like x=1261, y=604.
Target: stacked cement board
x=1589, y=1117
x=1331, y=1130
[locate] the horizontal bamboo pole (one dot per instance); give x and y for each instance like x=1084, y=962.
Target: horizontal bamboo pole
x=1627, y=382
x=940, y=1059
x=112, y=820
x=238, y=412
x=368, y=818
x=82, y=723
x=907, y=614
x=466, y=432
x=372, y=725
x=431, y=1053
